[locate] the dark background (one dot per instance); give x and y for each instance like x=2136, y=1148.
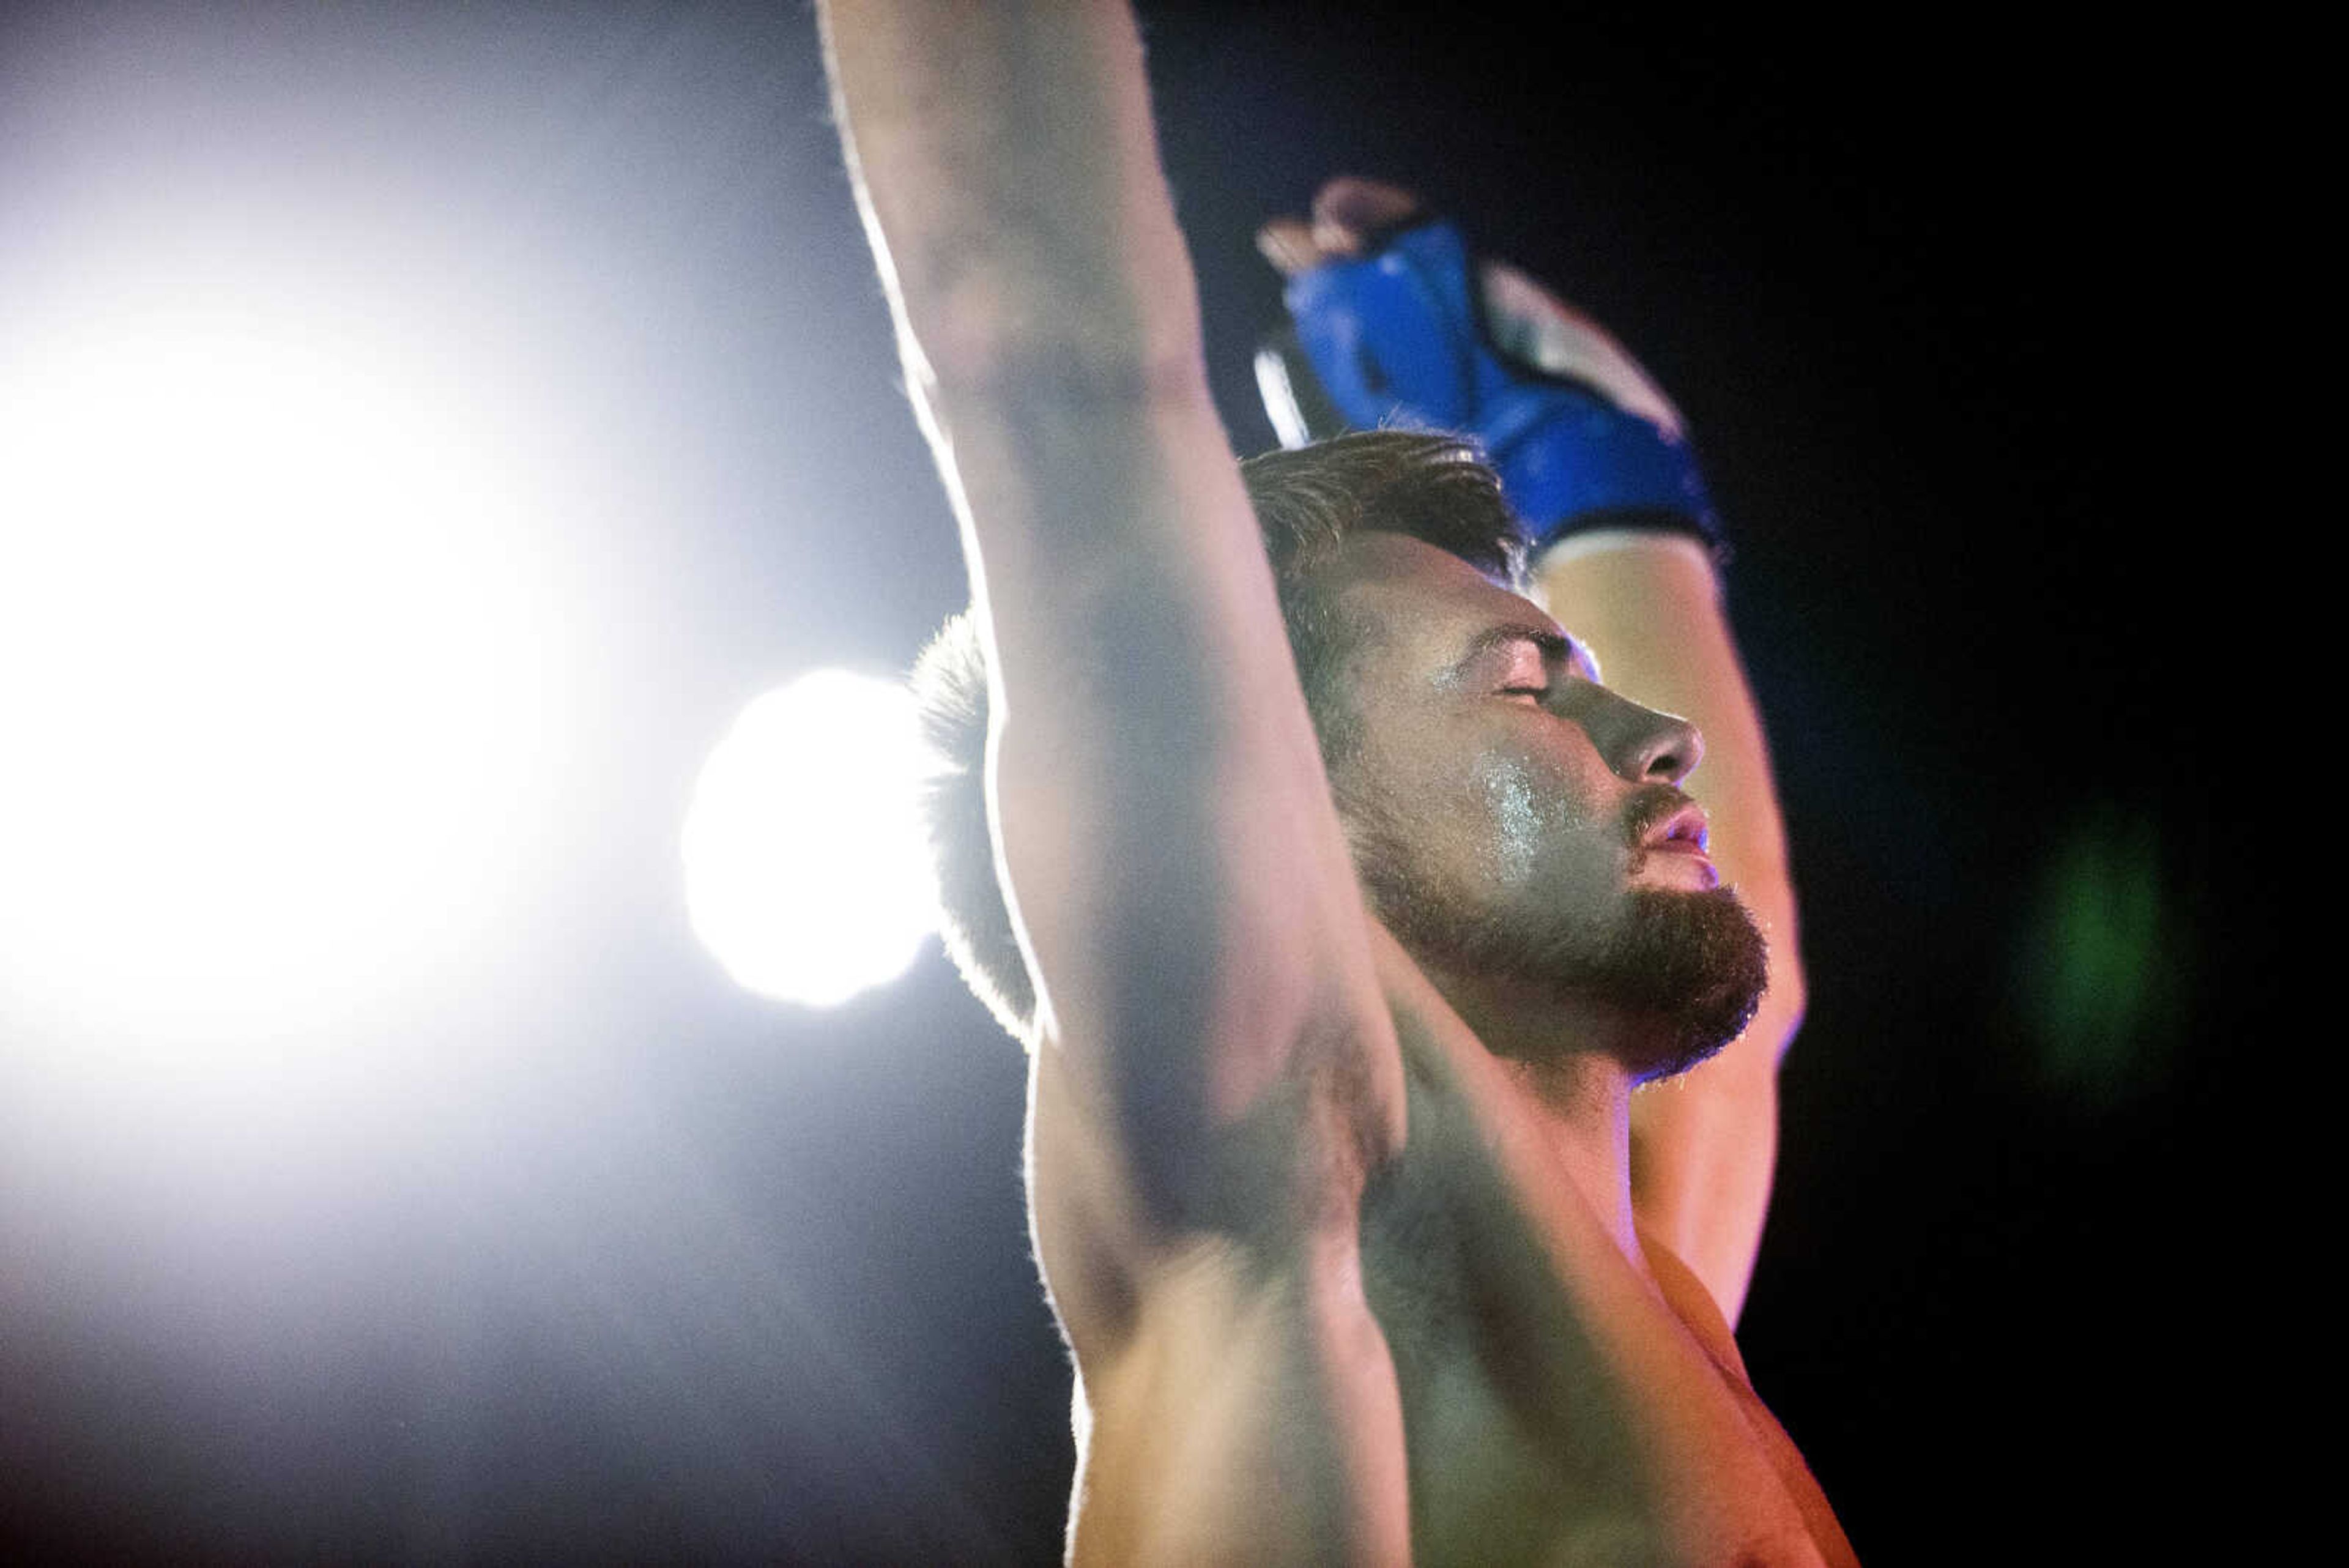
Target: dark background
x=627, y=1264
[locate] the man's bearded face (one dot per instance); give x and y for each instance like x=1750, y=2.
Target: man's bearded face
x=1516, y=824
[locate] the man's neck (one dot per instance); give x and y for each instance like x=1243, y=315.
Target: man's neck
x=1566, y=1060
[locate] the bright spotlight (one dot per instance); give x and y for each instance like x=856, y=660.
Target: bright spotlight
x=805, y=868
x=273, y=669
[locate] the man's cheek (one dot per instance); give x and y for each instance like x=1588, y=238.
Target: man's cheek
x=1515, y=818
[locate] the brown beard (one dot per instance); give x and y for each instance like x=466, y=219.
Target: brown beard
x=1692, y=964
x=1693, y=960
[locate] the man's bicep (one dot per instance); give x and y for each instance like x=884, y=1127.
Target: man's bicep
x=1183, y=892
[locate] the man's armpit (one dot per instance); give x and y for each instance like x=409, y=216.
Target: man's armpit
x=1267, y=1190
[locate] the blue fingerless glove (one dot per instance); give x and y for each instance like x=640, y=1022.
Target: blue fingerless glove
x=1397, y=340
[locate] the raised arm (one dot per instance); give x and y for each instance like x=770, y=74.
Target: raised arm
x=1648, y=597
x=1214, y=1072
x=1629, y=572
x=1703, y=1145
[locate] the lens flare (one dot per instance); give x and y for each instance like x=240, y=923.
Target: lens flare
x=806, y=872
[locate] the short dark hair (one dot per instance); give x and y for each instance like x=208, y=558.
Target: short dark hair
x=1308, y=502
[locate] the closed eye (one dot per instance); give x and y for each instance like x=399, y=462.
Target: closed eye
x=1517, y=662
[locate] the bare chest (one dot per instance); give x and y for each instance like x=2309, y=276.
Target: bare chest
x=1555, y=1407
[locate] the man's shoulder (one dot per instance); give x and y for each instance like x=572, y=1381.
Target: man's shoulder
x=1694, y=1306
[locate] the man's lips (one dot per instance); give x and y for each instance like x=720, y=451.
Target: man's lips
x=1683, y=832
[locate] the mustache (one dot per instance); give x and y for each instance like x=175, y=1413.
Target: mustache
x=1648, y=809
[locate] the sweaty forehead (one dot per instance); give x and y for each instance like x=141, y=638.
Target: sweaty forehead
x=1431, y=605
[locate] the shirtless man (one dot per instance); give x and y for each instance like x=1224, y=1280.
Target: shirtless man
x=1366, y=1249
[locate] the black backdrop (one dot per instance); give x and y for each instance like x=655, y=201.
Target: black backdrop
x=641, y=1267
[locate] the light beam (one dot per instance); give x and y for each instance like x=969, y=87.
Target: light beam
x=274, y=668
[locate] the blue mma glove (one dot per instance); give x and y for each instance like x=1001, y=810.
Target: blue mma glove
x=1399, y=340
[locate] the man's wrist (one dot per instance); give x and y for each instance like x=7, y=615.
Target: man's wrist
x=1651, y=531
x=1399, y=337
x=1579, y=464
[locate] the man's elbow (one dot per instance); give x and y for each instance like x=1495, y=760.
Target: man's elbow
x=1007, y=312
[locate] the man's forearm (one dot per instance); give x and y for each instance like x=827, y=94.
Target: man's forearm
x=1012, y=185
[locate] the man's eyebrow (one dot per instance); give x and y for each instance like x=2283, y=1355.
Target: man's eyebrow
x=1555, y=648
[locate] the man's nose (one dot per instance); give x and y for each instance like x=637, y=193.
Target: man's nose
x=1641, y=744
